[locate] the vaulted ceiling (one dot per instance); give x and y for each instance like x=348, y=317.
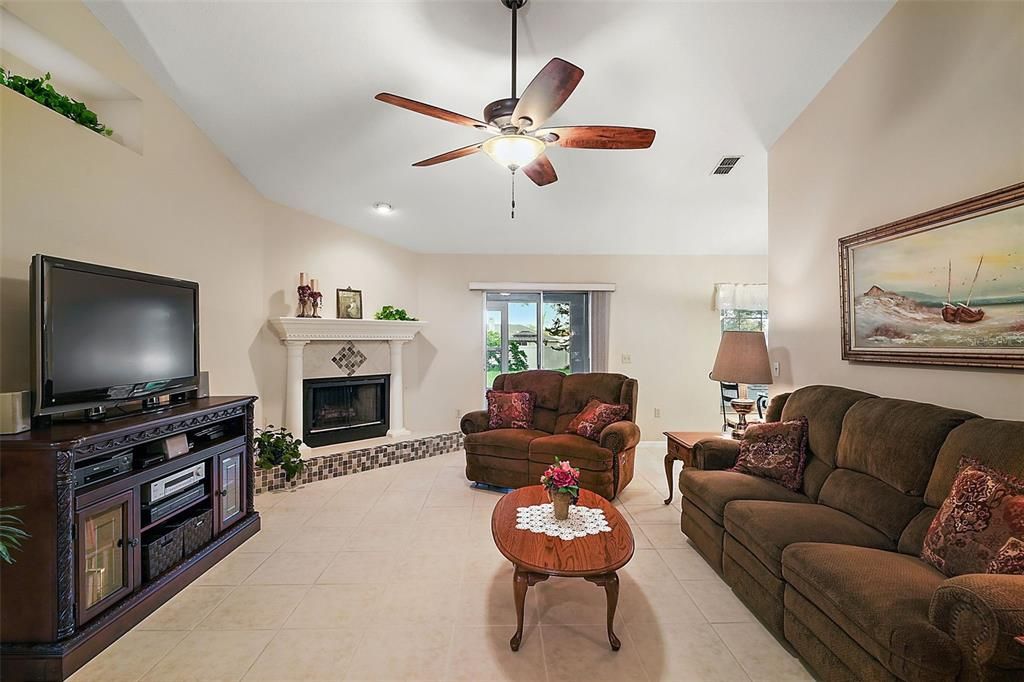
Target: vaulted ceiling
x=286, y=90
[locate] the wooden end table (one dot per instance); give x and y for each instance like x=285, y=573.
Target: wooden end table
x=680, y=447
x=537, y=557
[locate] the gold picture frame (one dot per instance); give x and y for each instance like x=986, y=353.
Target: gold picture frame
x=350, y=304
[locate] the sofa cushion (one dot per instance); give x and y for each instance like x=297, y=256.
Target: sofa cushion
x=874, y=502
x=593, y=419
x=767, y=528
x=580, y=451
x=776, y=451
x=710, y=491
x=984, y=511
x=580, y=389
x=993, y=442
x=510, y=409
x=545, y=384
x=824, y=407
x=896, y=441
x=506, y=443
x=880, y=599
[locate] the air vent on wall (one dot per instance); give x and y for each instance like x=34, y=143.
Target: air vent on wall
x=726, y=164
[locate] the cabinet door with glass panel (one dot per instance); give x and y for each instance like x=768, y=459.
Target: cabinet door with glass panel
x=229, y=493
x=536, y=330
x=107, y=553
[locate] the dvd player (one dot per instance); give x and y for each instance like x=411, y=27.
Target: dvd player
x=152, y=513
x=93, y=472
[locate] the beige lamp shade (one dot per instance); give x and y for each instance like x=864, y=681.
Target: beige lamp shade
x=742, y=359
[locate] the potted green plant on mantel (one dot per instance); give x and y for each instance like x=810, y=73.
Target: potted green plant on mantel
x=278, y=448
x=40, y=90
x=392, y=313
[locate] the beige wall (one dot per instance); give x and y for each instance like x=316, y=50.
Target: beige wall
x=929, y=110
x=661, y=315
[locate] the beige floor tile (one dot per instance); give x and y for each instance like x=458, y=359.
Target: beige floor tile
x=640, y=540
x=582, y=652
x=420, y=479
x=438, y=567
x=664, y=535
x=266, y=540
x=254, y=607
x=445, y=516
x=414, y=604
x=336, y=518
x=760, y=655
x=717, y=602
x=306, y=655
x=359, y=568
x=185, y=609
x=493, y=603
x=646, y=566
x=382, y=537
x=401, y=654
x=300, y=499
x=482, y=654
x=233, y=569
x=129, y=658
x=316, y=539
x=684, y=651
x=653, y=513
x=483, y=563
x=284, y=519
x=664, y=602
x=327, y=607
x=571, y=601
x=451, y=497
x=267, y=500
x=641, y=493
x=206, y=656
x=351, y=497
x=427, y=537
x=687, y=564
x=291, y=568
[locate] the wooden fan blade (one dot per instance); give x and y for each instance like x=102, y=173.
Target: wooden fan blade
x=541, y=171
x=598, y=137
x=430, y=110
x=448, y=156
x=546, y=92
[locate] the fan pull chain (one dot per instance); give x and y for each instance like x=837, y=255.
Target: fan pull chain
x=513, y=195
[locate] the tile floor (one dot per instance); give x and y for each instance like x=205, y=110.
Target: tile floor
x=392, y=575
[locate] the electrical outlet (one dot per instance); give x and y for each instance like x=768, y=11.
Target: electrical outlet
x=657, y=413
x=627, y=359
x=775, y=368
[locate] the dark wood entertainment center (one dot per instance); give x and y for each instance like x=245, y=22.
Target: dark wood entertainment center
x=57, y=612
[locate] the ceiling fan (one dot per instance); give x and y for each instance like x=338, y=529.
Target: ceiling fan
x=518, y=140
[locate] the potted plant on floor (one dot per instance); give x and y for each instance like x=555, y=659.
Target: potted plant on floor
x=11, y=533
x=278, y=447
x=563, y=485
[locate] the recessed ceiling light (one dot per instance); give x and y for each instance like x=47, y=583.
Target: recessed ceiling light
x=383, y=207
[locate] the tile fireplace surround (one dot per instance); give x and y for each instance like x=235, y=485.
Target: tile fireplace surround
x=296, y=332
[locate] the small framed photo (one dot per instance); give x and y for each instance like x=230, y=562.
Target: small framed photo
x=350, y=304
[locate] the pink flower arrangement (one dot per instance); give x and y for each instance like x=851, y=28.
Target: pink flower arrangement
x=560, y=477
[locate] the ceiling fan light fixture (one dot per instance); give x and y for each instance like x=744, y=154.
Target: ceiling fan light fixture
x=513, y=151
x=383, y=207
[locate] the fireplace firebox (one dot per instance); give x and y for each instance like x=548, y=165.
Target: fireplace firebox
x=339, y=410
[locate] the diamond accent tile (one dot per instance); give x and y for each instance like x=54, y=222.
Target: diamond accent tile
x=349, y=358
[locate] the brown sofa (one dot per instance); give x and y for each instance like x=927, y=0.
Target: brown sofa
x=834, y=569
x=513, y=458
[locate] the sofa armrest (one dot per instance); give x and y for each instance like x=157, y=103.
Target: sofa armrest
x=984, y=614
x=620, y=436
x=474, y=422
x=715, y=453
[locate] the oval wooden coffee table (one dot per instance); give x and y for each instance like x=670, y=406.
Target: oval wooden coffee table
x=537, y=557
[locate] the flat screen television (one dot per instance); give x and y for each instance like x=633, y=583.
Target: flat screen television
x=104, y=336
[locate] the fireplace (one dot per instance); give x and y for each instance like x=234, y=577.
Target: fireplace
x=340, y=410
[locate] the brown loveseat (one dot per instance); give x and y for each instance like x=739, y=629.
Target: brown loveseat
x=834, y=569
x=513, y=458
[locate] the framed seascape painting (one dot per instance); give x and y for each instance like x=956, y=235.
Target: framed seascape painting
x=944, y=287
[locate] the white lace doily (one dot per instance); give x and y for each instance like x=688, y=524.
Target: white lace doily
x=582, y=521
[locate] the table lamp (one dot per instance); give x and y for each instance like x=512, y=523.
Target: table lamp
x=742, y=359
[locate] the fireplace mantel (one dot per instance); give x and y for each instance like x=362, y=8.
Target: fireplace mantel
x=325, y=329
x=296, y=332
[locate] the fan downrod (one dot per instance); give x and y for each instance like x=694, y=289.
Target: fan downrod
x=519, y=4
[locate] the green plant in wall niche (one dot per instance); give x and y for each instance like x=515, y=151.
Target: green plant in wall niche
x=11, y=533
x=391, y=313
x=41, y=91
x=278, y=447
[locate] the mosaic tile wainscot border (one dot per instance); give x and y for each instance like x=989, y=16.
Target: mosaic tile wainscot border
x=354, y=461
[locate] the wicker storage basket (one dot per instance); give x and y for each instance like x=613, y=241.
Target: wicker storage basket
x=161, y=551
x=196, y=531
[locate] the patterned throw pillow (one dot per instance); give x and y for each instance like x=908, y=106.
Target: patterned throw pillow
x=776, y=451
x=510, y=410
x=980, y=527
x=595, y=416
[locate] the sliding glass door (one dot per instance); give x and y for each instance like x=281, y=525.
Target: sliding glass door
x=531, y=330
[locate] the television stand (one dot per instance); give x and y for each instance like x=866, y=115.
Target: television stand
x=80, y=581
